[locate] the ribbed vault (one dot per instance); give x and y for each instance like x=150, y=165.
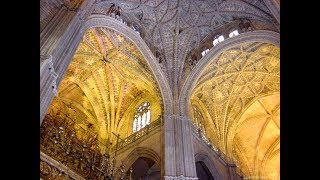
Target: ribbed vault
x=105, y=83
x=175, y=27
x=238, y=97
x=257, y=140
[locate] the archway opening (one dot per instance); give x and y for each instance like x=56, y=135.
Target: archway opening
x=106, y=82
x=228, y=89
x=203, y=172
x=144, y=169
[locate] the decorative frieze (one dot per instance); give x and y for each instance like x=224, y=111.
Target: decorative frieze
x=181, y=177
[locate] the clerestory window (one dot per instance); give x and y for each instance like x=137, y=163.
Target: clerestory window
x=217, y=39
x=141, y=117
x=234, y=33
x=204, y=52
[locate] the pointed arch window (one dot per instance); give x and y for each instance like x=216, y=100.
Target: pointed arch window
x=234, y=33
x=217, y=39
x=204, y=52
x=141, y=117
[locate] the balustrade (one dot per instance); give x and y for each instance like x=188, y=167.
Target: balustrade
x=198, y=133
x=139, y=134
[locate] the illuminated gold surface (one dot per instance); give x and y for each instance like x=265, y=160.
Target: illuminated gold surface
x=256, y=143
x=238, y=96
x=106, y=94
x=73, y=4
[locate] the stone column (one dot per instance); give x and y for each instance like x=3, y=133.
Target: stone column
x=58, y=42
x=179, y=153
x=169, y=146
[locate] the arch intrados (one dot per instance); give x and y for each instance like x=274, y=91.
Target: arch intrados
x=202, y=157
x=254, y=36
x=141, y=152
x=117, y=26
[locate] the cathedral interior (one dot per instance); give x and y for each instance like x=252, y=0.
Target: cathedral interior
x=159, y=89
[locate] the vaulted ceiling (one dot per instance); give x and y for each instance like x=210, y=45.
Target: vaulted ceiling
x=175, y=27
x=238, y=96
x=256, y=145
x=237, y=93
x=105, y=83
x=50, y=8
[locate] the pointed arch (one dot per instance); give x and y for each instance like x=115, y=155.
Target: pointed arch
x=141, y=152
x=113, y=24
x=127, y=32
x=202, y=157
x=254, y=36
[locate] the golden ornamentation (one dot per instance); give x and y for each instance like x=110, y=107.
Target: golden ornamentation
x=104, y=84
x=225, y=90
x=50, y=172
x=58, y=139
x=256, y=143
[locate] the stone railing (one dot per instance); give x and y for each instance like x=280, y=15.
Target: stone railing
x=139, y=134
x=198, y=133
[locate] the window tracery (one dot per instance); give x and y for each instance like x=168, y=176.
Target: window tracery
x=204, y=52
x=217, y=39
x=141, y=117
x=234, y=33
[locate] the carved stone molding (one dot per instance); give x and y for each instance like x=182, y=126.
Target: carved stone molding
x=171, y=116
x=209, y=163
x=47, y=62
x=54, y=76
x=141, y=152
x=181, y=177
x=274, y=7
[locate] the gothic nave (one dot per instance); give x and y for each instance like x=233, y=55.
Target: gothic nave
x=160, y=89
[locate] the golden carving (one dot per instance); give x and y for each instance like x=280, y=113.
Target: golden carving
x=229, y=89
x=50, y=172
x=104, y=84
x=58, y=139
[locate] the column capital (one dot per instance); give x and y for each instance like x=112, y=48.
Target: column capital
x=176, y=116
x=181, y=177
